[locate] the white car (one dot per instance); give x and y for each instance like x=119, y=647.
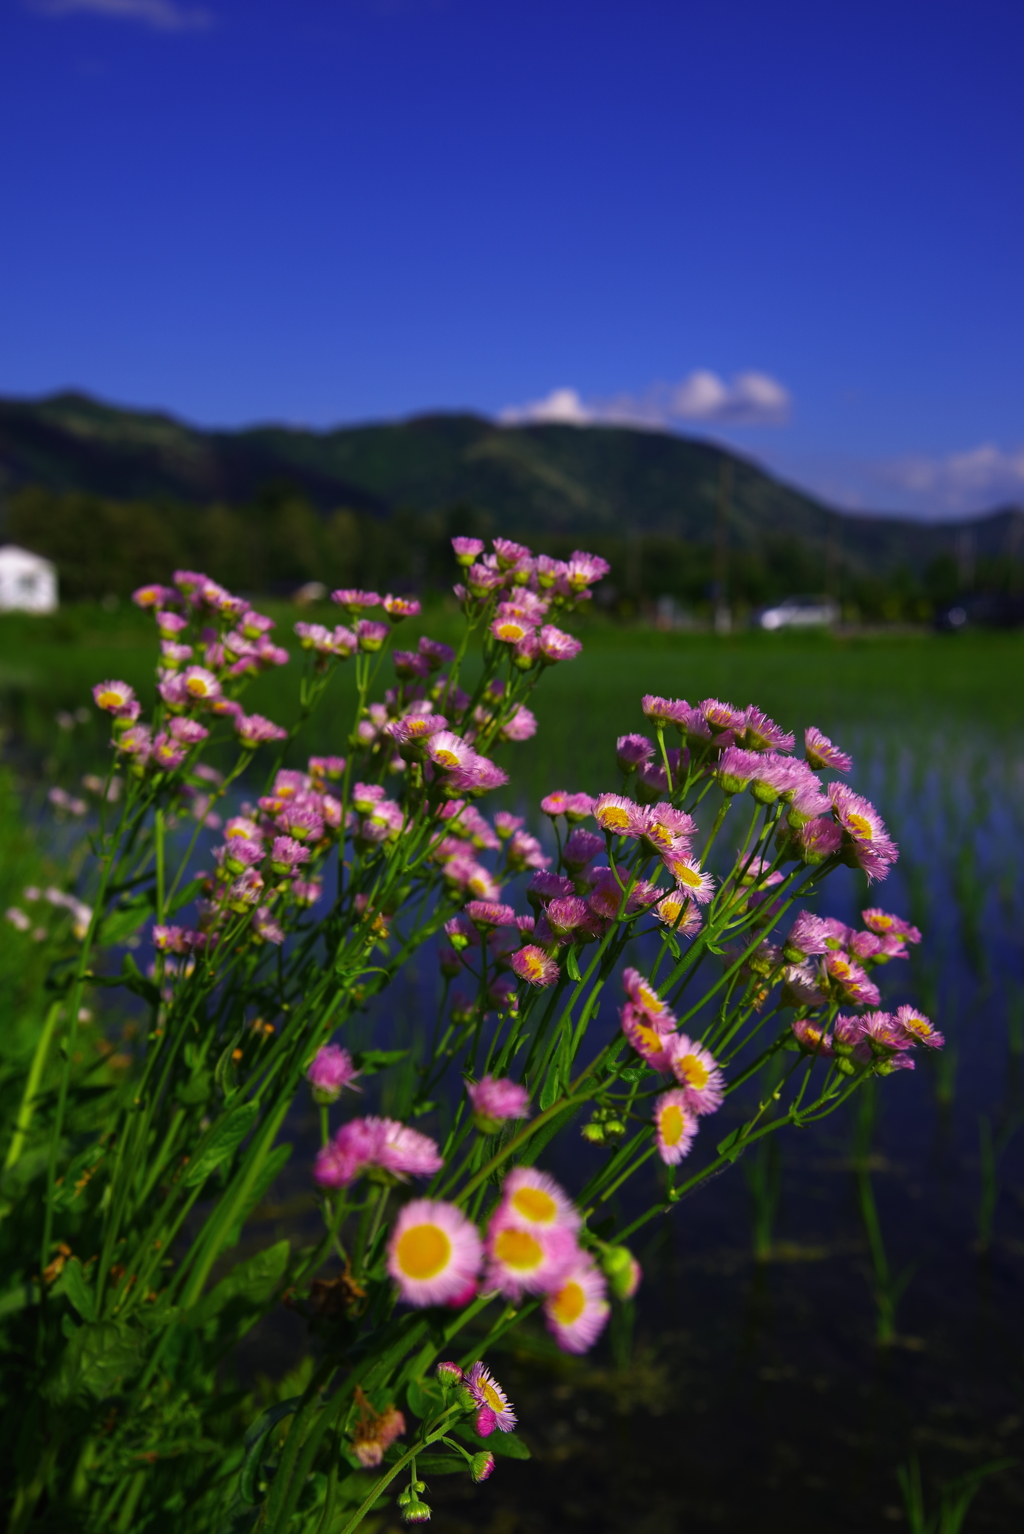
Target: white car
x=798, y=613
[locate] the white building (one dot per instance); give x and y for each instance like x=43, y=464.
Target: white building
x=28, y=583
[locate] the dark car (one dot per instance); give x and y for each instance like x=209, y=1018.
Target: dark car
x=982, y=609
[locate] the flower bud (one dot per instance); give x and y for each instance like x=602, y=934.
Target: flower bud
x=482, y=1466
x=416, y=1512
x=449, y=1374
x=622, y=1271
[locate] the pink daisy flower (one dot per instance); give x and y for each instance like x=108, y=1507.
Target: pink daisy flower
x=398, y=608
x=521, y=726
x=547, y=886
x=168, y=753
x=567, y=914
x=697, y=1072
x=487, y=1393
x=850, y=980
x=535, y=1200
x=918, y=1028
x=655, y=1045
x=511, y=630
x=557, y=646
x=253, y=730
x=434, y=1253
x=889, y=926
x=525, y=851
x=578, y=807
x=581, y=847
x=354, y=601
x=490, y=913
x=763, y=734
x=449, y=751
x=115, y=698
x=330, y=1071
x=679, y=911
x=632, y=751
x=467, y=550
x=576, y=1313
x=153, y=596
x=812, y=1038
x=642, y=994
x=665, y=711
x=818, y=840
x=820, y=752
x=808, y=935
x=675, y=1126
x=495, y=1099
x=507, y=824
x=371, y=635
x=690, y=878
x=532, y=964
x=189, y=731
x=618, y=815
x=869, y=843
x=722, y=718
x=200, y=683
x=524, y=1260
x=582, y=570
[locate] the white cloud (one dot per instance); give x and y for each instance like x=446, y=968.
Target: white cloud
x=751, y=399
x=960, y=481
x=160, y=15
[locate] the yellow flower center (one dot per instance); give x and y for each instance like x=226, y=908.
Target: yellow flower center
x=861, y=825
x=673, y=1124
x=649, y=998
x=614, y=817
x=685, y=875
x=110, y=700
x=569, y=1303
x=919, y=1026
x=658, y=836
x=416, y=726
x=536, y=1205
x=671, y=908
x=650, y=1037
x=491, y=1395
x=423, y=1251
x=446, y=758
x=696, y=1073
x=196, y=686
x=518, y=1249
x=510, y=630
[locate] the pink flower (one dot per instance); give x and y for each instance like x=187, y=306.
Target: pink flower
x=642, y=994
x=581, y=847
x=436, y=653
x=371, y=635
x=525, y=851
x=495, y=1099
x=567, y=914
x=168, y=753
x=820, y=751
x=889, y=926
x=723, y=718
x=632, y=751
x=266, y=928
x=301, y=821
x=763, y=734
x=331, y=1070
x=866, y=840
x=375, y=1433
x=354, y=601
x=576, y=1313
x=809, y=935
x=521, y=726
x=188, y=731
x=200, y=684
x=665, y=711
x=434, y=1253
x=678, y=911
x=535, y=1200
x=547, y=886
x=488, y=1395
x=136, y=742
x=619, y=816
x=153, y=596
x=818, y=840
x=511, y=630
x=467, y=550
x=556, y=646
x=398, y=608
x=582, y=570
x=286, y=854
x=849, y=980
x=697, y=1072
x=535, y=966
x=507, y=824
x=675, y=1125
x=490, y=913
x=115, y=698
x=812, y=1038
x=332, y=767
x=918, y=1029
x=527, y=1260
x=449, y=751
x=252, y=730
x=652, y=1043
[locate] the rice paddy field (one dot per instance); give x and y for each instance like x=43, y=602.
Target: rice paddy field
x=835, y=1309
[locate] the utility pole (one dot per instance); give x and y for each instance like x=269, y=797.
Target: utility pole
x=723, y=615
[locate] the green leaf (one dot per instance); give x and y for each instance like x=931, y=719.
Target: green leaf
x=196, y=1091
x=572, y=967
x=252, y=1281
x=224, y=1140
x=368, y=1061
x=132, y=978
x=673, y=945
x=224, y=1072
x=97, y=1358
x=123, y=920
x=74, y=1285
x=507, y=1444
x=18, y=1298
x=440, y=1464
x=255, y=1438
x=424, y=1397
x=273, y=1164
x=731, y=1146
x=550, y=1090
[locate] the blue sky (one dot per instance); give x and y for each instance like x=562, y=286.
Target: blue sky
x=797, y=227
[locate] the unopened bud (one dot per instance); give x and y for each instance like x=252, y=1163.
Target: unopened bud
x=449, y=1374
x=416, y=1512
x=482, y=1466
x=622, y=1271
